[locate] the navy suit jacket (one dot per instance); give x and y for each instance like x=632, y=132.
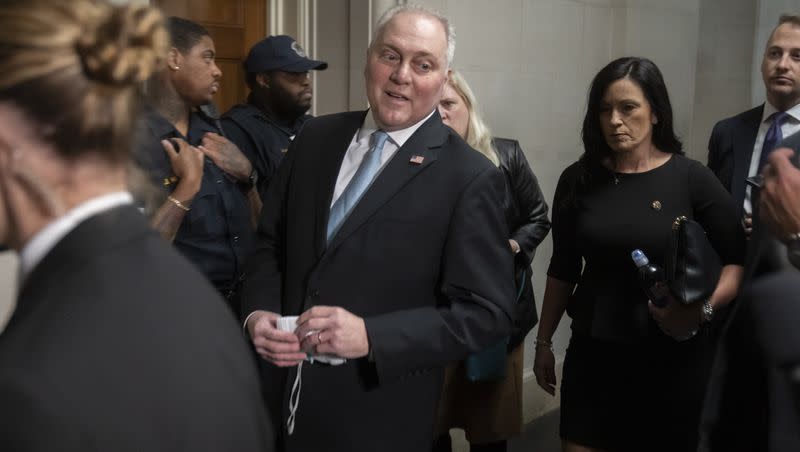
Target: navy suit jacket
x=423, y=258
x=753, y=397
x=730, y=150
x=755, y=402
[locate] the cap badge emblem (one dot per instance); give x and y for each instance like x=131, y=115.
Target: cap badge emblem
x=298, y=50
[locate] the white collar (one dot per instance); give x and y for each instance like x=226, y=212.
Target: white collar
x=43, y=241
x=769, y=109
x=399, y=137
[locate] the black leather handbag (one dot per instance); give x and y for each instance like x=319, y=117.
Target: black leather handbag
x=692, y=266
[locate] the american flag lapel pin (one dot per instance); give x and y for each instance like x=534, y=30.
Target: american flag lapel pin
x=416, y=160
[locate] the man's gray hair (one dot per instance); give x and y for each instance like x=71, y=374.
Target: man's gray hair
x=410, y=8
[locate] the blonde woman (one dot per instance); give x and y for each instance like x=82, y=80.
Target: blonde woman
x=117, y=343
x=490, y=412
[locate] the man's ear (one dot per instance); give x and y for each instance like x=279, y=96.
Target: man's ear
x=263, y=79
x=174, y=59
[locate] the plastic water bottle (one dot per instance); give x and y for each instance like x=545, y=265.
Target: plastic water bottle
x=651, y=278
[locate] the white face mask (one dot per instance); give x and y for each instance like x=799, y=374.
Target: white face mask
x=289, y=323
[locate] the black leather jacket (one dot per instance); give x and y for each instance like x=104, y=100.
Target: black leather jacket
x=526, y=214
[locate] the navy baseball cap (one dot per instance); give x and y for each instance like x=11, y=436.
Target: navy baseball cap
x=280, y=53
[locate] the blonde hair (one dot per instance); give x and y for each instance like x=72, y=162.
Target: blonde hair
x=478, y=134
x=74, y=67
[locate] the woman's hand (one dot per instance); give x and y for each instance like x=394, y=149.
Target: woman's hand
x=544, y=367
x=187, y=164
x=677, y=320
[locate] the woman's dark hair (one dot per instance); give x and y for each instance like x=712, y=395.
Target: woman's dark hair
x=184, y=34
x=646, y=75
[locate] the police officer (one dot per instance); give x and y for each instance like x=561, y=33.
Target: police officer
x=277, y=71
x=207, y=204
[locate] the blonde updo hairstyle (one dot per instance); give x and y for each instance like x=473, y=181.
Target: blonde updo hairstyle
x=479, y=136
x=74, y=67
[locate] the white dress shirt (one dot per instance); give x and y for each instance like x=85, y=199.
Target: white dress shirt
x=43, y=241
x=360, y=145
x=789, y=127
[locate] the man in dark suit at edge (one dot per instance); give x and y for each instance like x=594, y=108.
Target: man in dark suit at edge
x=398, y=278
x=739, y=145
x=756, y=400
x=742, y=387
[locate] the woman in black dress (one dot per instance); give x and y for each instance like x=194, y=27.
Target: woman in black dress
x=631, y=379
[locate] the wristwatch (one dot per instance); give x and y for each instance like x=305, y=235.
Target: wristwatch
x=793, y=249
x=708, y=312
x=252, y=179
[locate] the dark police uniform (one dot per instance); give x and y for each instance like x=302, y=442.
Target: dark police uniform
x=261, y=137
x=216, y=234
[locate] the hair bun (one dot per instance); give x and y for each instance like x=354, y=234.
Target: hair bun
x=122, y=45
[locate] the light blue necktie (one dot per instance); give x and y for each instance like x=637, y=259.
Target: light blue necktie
x=358, y=184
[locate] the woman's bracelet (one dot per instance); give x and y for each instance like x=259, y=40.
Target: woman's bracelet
x=543, y=343
x=181, y=205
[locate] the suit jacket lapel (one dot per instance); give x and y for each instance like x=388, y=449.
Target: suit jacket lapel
x=330, y=162
x=398, y=172
x=744, y=138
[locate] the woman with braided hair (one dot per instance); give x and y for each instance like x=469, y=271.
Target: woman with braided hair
x=99, y=353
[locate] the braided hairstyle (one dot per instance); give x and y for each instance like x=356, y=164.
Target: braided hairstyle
x=75, y=68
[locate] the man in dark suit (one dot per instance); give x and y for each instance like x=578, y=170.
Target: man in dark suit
x=739, y=145
x=117, y=343
x=754, y=401
x=773, y=245
x=417, y=274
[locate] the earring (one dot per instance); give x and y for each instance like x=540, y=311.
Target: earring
x=175, y=68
